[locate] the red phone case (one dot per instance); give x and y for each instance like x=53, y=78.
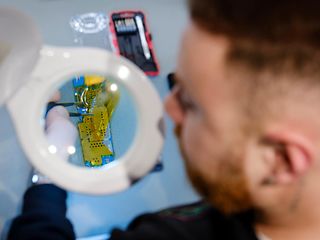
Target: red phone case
x=115, y=43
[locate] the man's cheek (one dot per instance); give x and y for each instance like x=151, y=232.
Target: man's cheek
x=189, y=137
x=192, y=132
x=193, y=145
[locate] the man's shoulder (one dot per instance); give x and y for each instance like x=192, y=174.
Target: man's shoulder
x=204, y=211
x=193, y=221
x=185, y=213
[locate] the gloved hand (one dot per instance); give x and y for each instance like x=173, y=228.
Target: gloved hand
x=61, y=133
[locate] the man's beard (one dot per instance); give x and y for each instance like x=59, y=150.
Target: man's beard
x=227, y=190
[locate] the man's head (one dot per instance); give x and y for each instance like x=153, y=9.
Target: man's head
x=247, y=101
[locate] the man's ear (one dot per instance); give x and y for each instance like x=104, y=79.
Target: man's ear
x=292, y=155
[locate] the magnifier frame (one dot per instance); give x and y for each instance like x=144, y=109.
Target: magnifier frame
x=54, y=67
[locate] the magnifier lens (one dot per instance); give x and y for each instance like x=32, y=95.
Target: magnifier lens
x=90, y=121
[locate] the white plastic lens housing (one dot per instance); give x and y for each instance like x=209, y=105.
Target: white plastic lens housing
x=51, y=71
x=29, y=72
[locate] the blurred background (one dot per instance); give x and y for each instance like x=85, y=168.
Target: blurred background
x=95, y=215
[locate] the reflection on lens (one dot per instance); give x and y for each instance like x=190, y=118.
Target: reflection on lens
x=113, y=87
x=52, y=149
x=71, y=150
x=96, y=98
x=123, y=72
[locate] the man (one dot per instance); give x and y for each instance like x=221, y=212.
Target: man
x=247, y=96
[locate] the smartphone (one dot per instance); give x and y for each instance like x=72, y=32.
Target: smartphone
x=131, y=38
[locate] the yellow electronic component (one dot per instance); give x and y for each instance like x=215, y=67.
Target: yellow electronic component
x=95, y=134
x=93, y=79
x=92, y=132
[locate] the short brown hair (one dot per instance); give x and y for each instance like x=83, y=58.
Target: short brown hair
x=264, y=31
x=267, y=20
x=274, y=36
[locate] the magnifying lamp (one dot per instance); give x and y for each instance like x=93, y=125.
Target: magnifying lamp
x=29, y=73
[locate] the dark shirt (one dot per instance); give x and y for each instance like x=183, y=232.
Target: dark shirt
x=44, y=217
